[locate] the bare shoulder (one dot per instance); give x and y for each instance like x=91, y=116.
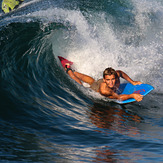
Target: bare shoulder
x=119, y=72
x=104, y=90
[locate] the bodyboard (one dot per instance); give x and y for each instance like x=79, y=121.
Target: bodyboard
x=128, y=88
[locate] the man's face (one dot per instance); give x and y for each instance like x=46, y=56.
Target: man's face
x=109, y=80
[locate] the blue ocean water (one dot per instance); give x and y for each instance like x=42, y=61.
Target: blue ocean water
x=47, y=117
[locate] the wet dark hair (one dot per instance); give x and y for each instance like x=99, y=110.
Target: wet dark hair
x=109, y=71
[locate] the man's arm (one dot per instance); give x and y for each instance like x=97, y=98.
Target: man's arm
x=126, y=77
x=137, y=97
x=112, y=95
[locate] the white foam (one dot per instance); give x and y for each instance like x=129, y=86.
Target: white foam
x=93, y=44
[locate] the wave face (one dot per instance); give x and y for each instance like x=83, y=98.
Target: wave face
x=47, y=117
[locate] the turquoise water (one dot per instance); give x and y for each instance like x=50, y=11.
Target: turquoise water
x=47, y=117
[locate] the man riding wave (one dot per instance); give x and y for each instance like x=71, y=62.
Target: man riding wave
x=107, y=86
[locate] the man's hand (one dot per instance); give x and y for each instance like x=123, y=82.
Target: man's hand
x=136, y=82
x=137, y=97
